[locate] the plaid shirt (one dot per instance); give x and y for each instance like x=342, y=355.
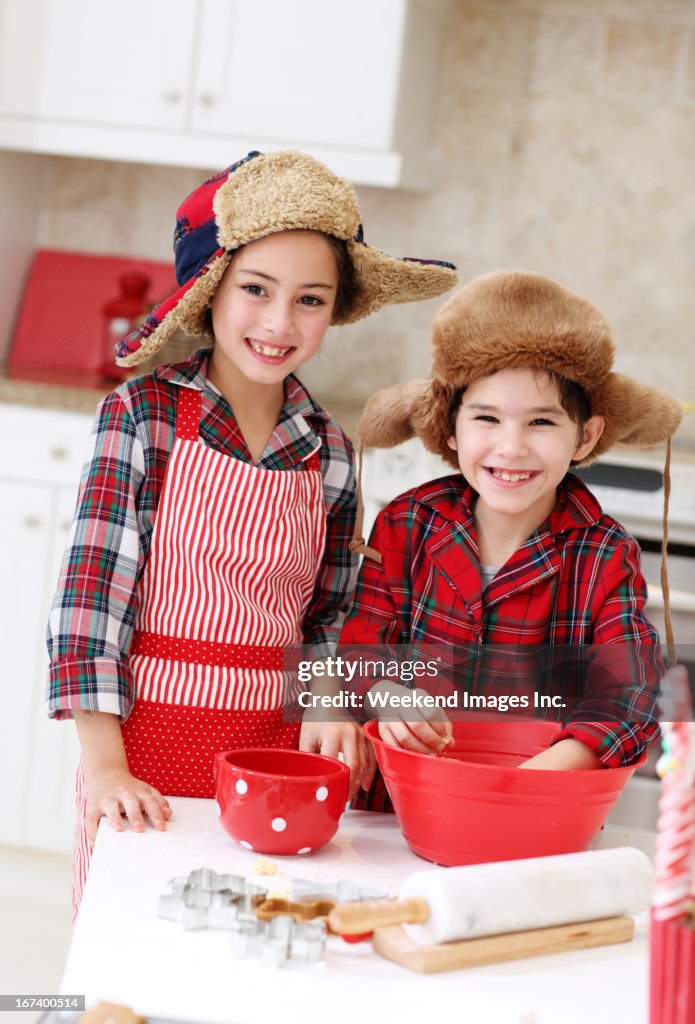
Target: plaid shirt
x=575, y=581
x=94, y=608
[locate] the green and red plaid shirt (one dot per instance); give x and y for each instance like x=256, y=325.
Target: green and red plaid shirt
x=94, y=608
x=575, y=583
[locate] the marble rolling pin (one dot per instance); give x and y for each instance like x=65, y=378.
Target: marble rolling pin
x=477, y=900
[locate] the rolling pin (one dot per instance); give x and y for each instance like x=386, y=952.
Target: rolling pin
x=508, y=896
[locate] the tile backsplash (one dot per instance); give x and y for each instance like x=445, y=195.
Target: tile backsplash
x=564, y=142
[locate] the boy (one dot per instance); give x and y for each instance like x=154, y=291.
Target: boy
x=514, y=550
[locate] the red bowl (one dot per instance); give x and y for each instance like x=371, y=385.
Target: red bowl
x=283, y=802
x=474, y=806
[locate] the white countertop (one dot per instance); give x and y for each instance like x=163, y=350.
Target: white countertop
x=123, y=952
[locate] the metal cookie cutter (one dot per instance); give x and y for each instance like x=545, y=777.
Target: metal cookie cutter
x=279, y=940
x=343, y=891
x=206, y=899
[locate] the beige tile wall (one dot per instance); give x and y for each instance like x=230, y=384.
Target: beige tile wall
x=565, y=138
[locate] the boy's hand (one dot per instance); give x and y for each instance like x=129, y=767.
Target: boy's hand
x=115, y=794
x=565, y=756
x=425, y=730
x=343, y=735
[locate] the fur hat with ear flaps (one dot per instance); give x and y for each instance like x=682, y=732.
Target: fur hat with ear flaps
x=512, y=319
x=258, y=196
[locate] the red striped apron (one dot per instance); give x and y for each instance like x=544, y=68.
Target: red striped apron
x=233, y=561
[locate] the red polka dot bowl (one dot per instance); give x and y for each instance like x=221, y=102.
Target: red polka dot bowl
x=281, y=802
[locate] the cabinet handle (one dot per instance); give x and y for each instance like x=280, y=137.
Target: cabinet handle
x=206, y=99
x=31, y=522
x=59, y=453
x=171, y=96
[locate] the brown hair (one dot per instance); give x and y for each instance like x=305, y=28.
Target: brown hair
x=573, y=398
x=348, y=288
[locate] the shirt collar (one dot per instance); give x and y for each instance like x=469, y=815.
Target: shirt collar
x=576, y=506
x=192, y=373
x=296, y=436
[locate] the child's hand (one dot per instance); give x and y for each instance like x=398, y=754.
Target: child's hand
x=425, y=730
x=565, y=756
x=342, y=735
x=115, y=793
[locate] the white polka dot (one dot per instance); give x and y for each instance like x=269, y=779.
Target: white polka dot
x=278, y=824
x=321, y=793
x=241, y=786
x=247, y=846
x=305, y=849
x=219, y=809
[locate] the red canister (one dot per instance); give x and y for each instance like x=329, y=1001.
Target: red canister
x=123, y=314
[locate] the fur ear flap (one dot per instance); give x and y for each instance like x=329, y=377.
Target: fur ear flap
x=637, y=414
x=389, y=415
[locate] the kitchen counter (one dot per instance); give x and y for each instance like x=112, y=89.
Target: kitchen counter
x=65, y=392
x=122, y=952
x=51, y=391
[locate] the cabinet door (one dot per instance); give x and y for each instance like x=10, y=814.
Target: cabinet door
x=50, y=821
x=111, y=64
x=25, y=525
x=302, y=72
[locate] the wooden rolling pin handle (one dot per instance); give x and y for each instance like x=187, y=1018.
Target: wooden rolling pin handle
x=365, y=916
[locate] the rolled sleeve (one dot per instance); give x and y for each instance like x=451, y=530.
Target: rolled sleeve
x=93, y=610
x=626, y=672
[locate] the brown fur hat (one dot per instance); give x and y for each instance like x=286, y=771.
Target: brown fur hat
x=513, y=319
x=258, y=196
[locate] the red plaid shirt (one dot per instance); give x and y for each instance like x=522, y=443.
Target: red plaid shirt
x=576, y=581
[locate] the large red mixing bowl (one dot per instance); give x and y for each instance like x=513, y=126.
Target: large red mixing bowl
x=474, y=805
x=280, y=801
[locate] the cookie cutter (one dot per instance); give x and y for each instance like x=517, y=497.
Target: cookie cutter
x=279, y=939
x=206, y=899
x=343, y=891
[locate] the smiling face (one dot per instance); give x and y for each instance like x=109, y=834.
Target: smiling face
x=272, y=308
x=515, y=443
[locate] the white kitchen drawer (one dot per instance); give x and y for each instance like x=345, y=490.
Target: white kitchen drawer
x=43, y=444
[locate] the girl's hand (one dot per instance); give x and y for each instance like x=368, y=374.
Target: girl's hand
x=423, y=729
x=345, y=736
x=115, y=793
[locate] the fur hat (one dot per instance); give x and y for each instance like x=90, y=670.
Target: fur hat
x=258, y=196
x=512, y=319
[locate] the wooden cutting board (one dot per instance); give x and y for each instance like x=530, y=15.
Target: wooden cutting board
x=393, y=944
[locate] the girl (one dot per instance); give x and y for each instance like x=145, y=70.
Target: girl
x=214, y=515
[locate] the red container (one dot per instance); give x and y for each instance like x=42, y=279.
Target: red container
x=474, y=806
x=282, y=802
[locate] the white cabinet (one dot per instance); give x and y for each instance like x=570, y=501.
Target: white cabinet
x=39, y=473
x=199, y=82
x=120, y=66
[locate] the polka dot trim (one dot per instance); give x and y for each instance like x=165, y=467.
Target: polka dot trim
x=188, y=413
x=278, y=824
x=241, y=786
x=174, y=746
x=321, y=793
x=207, y=652
x=304, y=849
x=247, y=846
